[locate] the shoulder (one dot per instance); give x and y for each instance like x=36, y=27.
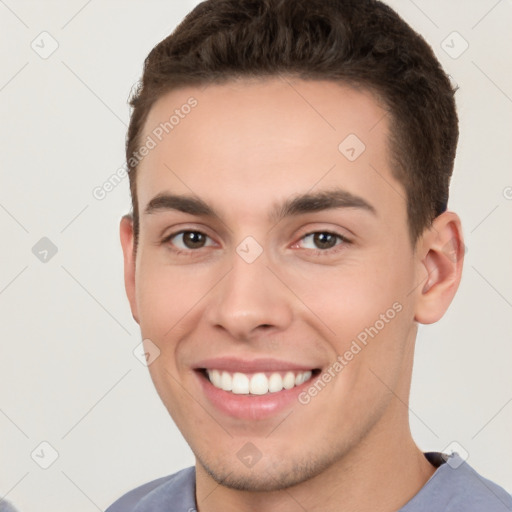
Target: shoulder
x=456, y=486
x=5, y=506
x=178, y=489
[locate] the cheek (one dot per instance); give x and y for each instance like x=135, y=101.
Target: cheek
x=348, y=298
x=169, y=297
x=364, y=313
x=172, y=394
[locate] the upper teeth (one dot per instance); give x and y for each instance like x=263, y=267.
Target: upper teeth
x=256, y=383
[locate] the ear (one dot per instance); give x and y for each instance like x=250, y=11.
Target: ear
x=440, y=252
x=127, y=240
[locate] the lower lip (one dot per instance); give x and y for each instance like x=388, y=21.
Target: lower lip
x=250, y=407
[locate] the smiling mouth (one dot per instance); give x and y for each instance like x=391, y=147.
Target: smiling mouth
x=259, y=383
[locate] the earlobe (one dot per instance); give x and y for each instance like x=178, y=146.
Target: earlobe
x=442, y=247
x=127, y=240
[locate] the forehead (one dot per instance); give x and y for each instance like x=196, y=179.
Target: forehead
x=251, y=143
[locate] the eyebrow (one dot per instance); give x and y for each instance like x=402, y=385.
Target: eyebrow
x=301, y=204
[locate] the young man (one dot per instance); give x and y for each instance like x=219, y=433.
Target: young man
x=289, y=169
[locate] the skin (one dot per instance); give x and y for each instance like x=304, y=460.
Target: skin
x=247, y=146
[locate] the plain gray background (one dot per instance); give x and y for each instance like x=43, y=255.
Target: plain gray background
x=69, y=377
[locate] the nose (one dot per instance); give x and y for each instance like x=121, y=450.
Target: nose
x=250, y=299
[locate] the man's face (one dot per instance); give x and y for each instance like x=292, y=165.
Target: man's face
x=273, y=286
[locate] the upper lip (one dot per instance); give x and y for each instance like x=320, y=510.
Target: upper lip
x=235, y=364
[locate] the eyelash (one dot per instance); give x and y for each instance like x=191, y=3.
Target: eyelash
x=339, y=246
x=332, y=250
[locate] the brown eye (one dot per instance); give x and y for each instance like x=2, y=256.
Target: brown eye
x=185, y=240
x=193, y=239
x=324, y=240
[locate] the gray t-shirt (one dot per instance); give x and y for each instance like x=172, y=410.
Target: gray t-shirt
x=455, y=486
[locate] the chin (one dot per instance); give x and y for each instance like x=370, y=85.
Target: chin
x=265, y=476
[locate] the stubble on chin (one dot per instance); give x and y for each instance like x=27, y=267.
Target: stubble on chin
x=267, y=476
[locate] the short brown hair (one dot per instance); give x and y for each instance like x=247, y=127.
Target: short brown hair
x=358, y=42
